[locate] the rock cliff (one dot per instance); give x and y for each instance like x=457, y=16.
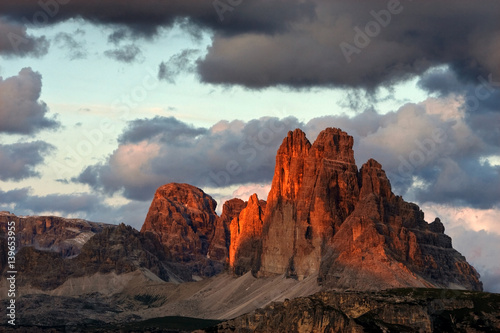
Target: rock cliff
x=183, y=219
x=52, y=233
x=219, y=246
x=324, y=216
x=246, y=237
x=397, y=310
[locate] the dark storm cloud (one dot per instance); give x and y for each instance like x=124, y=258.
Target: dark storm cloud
x=178, y=63
x=19, y=160
x=156, y=151
x=127, y=53
x=262, y=43
x=68, y=42
x=144, y=18
x=441, y=81
x=20, y=109
x=481, y=100
x=15, y=41
x=362, y=44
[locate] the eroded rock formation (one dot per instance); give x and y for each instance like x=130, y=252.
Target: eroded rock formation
x=246, y=237
x=324, y=216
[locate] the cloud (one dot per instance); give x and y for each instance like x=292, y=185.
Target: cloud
x=361, y=44
x=76, y=49
x=146, y=17
x=475, y=234
x=19, y=160
x=20, y=109
x=15, y=41
x=177, y=64
x=127, y=53
x=429, y=150
x=304, y=43
x=481, y=99
x=91, y=207
x=156, y=151
x=162, y=128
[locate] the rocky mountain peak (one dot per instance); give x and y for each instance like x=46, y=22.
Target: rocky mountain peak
x=183, y=218
x=374, y=180
x=294, y=144
x=335, y=144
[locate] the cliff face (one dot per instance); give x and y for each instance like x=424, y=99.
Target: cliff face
x=246, y=237
x=315, y=187
x=219, y=246
x=183, y=218
x=325, y=217
x=399, y=310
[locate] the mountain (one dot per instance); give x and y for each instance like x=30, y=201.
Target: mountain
x=327, y=226
x=183, y=219
x=52, y=233
x=323, y=217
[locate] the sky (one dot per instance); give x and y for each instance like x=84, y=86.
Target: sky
x=101, y=102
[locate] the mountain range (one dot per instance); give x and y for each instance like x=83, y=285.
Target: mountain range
x=326, y=226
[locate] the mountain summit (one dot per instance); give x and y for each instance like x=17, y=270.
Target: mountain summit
x=323, y=217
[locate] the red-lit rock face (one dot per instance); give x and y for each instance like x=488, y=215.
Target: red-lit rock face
x=246, y=235
x=322, y=217
x=183, y=217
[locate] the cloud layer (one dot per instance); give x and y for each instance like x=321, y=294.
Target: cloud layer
x=15, y=41
x=21, y=111
x=297, y=43
x=429, y=151
x=156, y=151
x=19, y=160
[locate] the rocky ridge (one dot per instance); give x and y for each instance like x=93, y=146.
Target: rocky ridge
x=397, y=310
x=52, y=233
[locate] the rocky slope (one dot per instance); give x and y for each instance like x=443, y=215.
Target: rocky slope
x=119, y=250
x=52, y=233
x=397, y=310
